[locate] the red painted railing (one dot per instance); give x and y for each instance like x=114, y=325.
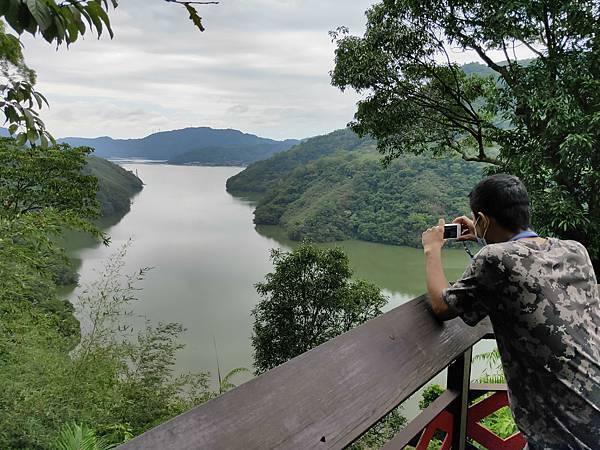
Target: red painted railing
x=476, y=431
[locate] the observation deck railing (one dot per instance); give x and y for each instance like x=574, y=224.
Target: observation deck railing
x=330, y=396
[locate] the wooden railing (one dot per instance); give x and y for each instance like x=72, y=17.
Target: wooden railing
x=330, y=396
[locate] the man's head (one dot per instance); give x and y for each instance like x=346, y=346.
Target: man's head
x=500, y=206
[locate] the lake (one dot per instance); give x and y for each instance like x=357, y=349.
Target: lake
x=206, y=255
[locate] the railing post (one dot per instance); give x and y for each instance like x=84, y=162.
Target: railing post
x=459, y=374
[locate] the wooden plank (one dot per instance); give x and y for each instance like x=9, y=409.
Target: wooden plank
x=488, y=387
x=478, y=389
x=459, y=376
x=329, y=396
x=408, y=433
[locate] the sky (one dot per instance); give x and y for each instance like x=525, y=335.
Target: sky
x=262, y=67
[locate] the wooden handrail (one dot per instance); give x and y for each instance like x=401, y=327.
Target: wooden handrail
x=329, y=396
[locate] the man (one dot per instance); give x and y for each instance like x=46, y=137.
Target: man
x=542, y=298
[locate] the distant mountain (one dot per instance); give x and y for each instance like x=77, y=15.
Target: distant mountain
x=334, y=187
x=188, y=146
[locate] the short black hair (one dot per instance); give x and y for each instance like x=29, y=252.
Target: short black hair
x=504, y=198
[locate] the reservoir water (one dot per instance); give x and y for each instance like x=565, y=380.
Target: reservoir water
x=206, y=255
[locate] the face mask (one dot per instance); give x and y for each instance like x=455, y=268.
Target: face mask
x=480, y=240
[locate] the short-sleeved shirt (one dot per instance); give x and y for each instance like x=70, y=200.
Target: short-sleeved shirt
x=543, y=303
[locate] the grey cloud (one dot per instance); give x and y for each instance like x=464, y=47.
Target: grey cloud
x=262, y=66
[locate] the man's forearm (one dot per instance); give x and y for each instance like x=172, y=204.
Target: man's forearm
x=437, y=283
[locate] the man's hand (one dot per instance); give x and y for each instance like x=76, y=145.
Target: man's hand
x=433, y=241
x=433, y=238
x=468, y=228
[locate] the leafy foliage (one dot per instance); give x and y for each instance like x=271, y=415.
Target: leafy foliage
x=59, y=22
x=53, y=372
x=500, y=422
x=308, y=299
x=430, y=393
x=381, y=432
x=65, y=21
x=334, y=188
x=493, y=373
x=226, y=384
x=116, y=382
x=536, y=119
x=18, y=98
x=32, y=179
x=80, y=437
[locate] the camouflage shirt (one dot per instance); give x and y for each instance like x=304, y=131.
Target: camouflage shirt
x=543, y=302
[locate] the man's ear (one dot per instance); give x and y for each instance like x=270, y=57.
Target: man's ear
x=485, y=222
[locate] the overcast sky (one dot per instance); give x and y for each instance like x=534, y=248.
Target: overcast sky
x=261, y=67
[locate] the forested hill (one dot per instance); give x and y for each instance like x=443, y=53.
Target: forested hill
x=188, y=146
x=116, y=186
x=334, y=187
x=264, y=175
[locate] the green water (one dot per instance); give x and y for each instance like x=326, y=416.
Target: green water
x=398, y=270
x=207, y=254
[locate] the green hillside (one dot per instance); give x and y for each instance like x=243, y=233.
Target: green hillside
x=223, y=156
x=117, y=186
x=263, y=175
x=334, y=188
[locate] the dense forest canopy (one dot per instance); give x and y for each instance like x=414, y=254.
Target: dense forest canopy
x=334, y=187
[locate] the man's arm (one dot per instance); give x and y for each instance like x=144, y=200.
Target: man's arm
x=433, y=241
x=436, y=284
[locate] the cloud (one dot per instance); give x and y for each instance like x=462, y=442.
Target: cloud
x=262, y=66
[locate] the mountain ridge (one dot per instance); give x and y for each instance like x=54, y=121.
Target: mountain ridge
x=173, y=145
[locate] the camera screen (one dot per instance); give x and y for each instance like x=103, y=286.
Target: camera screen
x=450, y=232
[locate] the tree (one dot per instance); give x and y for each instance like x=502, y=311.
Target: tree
x=59, y=22
x=32, y=179
x=537, y=118
x=42, y=192
x=308, y=299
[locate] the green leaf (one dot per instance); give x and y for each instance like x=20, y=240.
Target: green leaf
x=195, y=17
x=40, y=13
x=14, y=16
x=32, y=135
x=94, y=10
x=21, y=138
